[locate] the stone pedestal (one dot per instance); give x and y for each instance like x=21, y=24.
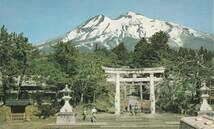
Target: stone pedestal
x=65, y=118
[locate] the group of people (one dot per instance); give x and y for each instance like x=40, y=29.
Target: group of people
x=93, y=114
x=133, y=109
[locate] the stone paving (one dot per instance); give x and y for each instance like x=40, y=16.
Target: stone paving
x=104, y=121
x=141, y=121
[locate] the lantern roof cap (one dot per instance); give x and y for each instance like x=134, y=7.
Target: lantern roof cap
x=204, y=87
x=66, y=89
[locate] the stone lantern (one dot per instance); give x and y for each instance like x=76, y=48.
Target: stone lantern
x=205, y=107
x=66, y=97
x=66, y=115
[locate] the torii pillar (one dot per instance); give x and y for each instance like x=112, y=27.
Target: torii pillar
x=152, y=94
x=117, y=95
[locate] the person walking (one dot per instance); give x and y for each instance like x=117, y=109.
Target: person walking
x=93, y=117
x=126, y=108
x=141, y=107
x=130, y=109
x=84, y=114
x=135, y=109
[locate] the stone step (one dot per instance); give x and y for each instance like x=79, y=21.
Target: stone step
x=119, y=126
x=141, y=126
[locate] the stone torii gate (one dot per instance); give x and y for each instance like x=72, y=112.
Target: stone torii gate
x=118, y=75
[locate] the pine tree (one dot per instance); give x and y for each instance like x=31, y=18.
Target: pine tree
x=122, y=53
x=15, y=55
x=144, y=54
x=65, y=57
x=159, y=40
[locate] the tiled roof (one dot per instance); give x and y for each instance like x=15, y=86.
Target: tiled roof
x=20, y=102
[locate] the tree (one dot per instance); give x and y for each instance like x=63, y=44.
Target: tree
x=89, y=81
x=187, y=69
x=22, y=53
x=145, y=55
x=65, y=57
x=15, y=54
x=122, y=53
x=159, y=40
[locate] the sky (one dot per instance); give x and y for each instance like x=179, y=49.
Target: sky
x=42, y=20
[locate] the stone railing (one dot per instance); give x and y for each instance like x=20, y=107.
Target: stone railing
x=17, y=116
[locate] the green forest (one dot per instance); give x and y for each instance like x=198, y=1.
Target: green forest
x=179, y=92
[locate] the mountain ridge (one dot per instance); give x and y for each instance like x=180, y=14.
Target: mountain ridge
x=130, y=28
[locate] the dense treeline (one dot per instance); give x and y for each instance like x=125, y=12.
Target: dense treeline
x=179, y=92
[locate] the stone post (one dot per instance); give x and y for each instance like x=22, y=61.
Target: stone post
x=141, y=92
x=117, y=95
x=125, y=94
x=152, y=94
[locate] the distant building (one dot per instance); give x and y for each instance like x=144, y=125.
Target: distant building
x=32, y=92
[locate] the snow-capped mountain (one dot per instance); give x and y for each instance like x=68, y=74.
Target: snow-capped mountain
x=129, y=28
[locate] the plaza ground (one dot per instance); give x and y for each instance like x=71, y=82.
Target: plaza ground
x=105, y=121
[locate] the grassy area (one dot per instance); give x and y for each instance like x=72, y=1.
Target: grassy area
x=106, y=121
x=36, y=124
